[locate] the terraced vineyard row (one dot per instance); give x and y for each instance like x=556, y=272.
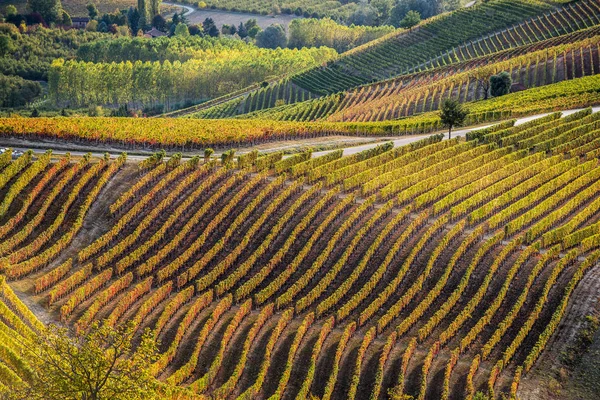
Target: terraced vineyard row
x=564, y=58
x=401, y=52
x=436, y=270
x=573, y=22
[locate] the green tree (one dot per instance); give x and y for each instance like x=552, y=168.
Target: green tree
x=6, y=45
x=50, y=10
x=452, y=114
x=365, y=15
x=254, y=31
x=411, y=19
x=426, y=8
x=102, y=364
x=272, y=37
x=383, y=8
x=92, y=10
x=92, y=26
x=66, y=19
x=500, y=84
x=155, y=8
x=182, y=30
x=10, y=10
x=142, y=7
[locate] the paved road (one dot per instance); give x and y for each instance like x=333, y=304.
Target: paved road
x=188, y=9
x=402, y=141
x=79, y=150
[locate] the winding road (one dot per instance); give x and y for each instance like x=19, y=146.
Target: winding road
x=138, y=155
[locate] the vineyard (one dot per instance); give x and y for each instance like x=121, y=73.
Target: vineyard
x=437, y=270
x=427, y=59
x=424, y=92
x=180, y=134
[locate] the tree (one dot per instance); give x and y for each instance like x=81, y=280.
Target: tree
x=155, y=8
x=102, y=364
x=242, y=31
x=254, y=31
x=500, y=84
x=50, y=10
x=383, y=8
x=195, y=30
x=66, y=19
x=144, y=15
x=92, y=10
x=213, y=31
x=272, y=37
x=92, y=26
x=452, y=114
x=6, y=45
x=208, y=25
x=182, y=30
x=133, y=19
x=10, y=10
x=411, y=19
x=427, y=8
x=365, y=15
x=482, y=77
x=159, y=23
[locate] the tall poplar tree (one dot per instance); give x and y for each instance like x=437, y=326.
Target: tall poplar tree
x=155, y=8
x=144, y=14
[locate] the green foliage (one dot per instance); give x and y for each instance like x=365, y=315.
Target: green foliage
x=17, y=92
x=425, y=8
x=42, y=47
x=173, y=83
x=480, y=396
x=310, y=32
x=102, y=364
x=92, y=10
x=402, y=52
x=66, y=19
x=272, y=37
x=339, y=10
x=182, y=30
x=500, y=84
x=412, y=18
x=452, y=114
x=50, y=10
x=10, y=10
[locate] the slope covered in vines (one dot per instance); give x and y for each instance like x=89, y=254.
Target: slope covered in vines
x=435, y=270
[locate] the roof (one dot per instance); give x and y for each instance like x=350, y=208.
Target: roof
x=80, y=19
x=154, y=33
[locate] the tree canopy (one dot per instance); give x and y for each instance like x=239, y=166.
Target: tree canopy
x=50, y=10
x=452, y=114
x=272, y=37
x=500, y=84
x=102, y=364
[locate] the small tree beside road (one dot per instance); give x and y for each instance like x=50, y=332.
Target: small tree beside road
x=452, y=114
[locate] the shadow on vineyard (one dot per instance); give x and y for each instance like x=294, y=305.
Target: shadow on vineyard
x=243, y=249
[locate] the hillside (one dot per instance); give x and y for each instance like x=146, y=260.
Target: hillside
x=312, y=276
x=425, y=50
x=416, y=218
